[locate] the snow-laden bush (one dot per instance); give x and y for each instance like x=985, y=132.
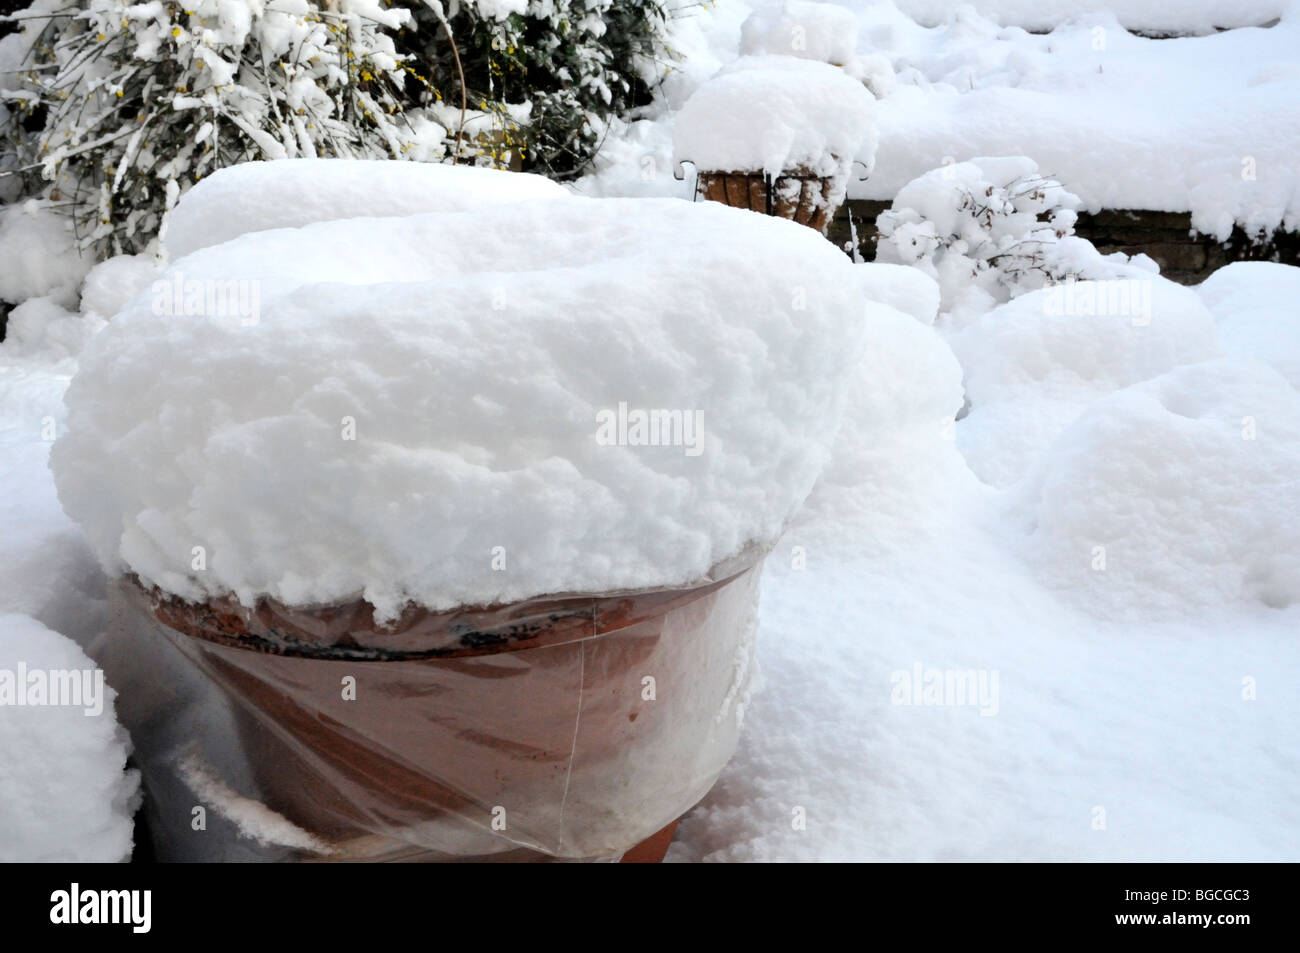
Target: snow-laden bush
x=544, y=77
x=990, y=229
x=120, y=106
x=141, y=100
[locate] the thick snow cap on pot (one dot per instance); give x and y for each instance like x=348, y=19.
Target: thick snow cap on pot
x=774, y=114
x=465, y=408
x=255, y=196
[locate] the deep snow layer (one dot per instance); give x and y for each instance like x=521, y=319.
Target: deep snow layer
x=1134, y=709
x=448, y=414
x=1178, y=730
x=1132, y=738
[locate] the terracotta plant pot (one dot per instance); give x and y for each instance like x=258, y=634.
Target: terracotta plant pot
x=558, y=728
x=797, y=195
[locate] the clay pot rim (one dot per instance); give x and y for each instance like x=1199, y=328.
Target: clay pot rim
x=329, y=632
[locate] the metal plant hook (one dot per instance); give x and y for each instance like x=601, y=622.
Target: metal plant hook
x=679, y=173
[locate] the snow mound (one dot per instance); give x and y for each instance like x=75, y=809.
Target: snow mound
x=1034, y=364
x=1177, y=494
x=40, y=256
x=1254, y=308
x=458, y=411
x=64, y=793
x=904, y=288
x=115, y=281
x=255, y=196
x=813, y=31
x=40, y=327
x=775, y=113
x=894, y=455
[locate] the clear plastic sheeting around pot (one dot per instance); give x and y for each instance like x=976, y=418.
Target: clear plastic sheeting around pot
x=567, y=728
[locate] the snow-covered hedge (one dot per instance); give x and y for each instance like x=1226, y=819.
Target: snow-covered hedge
x=1157, y=16
x=990, y=226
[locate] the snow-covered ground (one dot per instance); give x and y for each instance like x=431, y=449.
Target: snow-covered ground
x=1107, y=543
x=1140, y=713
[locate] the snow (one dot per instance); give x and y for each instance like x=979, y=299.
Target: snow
x=1158, y=16
x=39, y=254
x=1154, y=732
x=115, y=281
x=486, y=361
x=1095, y=107
x=48, y=571
x=905, y=289
x=815, y=31
x=1140, y=725
x=1254, y=304
x=64, y=793
x=256, y=196
x=1176, y=495
x=253, y=819
x=40, y=326
x=1035, y=363
x=1108, y=537
x=774, y=113
x=1091, y=103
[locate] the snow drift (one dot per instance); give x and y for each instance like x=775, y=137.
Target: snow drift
x=64, y=793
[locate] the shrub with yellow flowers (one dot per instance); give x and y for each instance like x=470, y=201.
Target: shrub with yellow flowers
x=121, y=106
x=543, y=77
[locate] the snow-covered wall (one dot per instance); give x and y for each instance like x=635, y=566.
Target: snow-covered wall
x=1156, y=16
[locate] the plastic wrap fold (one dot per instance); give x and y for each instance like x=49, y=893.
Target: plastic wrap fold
x=555, y=728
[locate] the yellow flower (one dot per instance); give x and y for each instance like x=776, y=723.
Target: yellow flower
x=176, y=31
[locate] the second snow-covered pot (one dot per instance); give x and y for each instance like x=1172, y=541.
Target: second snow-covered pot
x=778, y=135
x=799, y=195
